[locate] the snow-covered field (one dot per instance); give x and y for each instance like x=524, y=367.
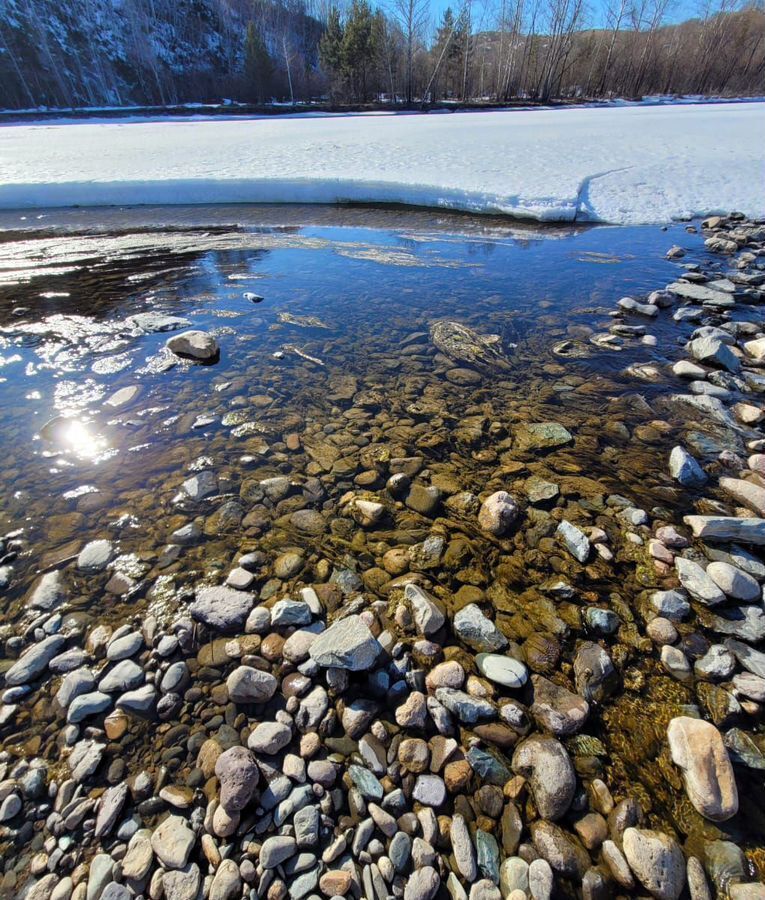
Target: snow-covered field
x=630, y=165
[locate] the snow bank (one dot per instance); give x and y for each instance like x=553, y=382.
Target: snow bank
x=643, y=164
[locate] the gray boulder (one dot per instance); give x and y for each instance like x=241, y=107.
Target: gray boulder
x=222, y=608
x=347, y=644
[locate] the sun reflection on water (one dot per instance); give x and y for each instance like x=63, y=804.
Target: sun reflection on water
x=71, y=438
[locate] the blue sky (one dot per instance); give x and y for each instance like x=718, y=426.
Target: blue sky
x=677, y=11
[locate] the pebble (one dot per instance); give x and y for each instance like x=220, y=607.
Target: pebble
x=34, y=661
x=222, y=608
x=698, y=584
x=546, y=765
x=276, y=850
x=422, y=884
x=248, y=685
x=429, y=790
x=734, y=582
x=575, y=540
x=503, y=670
x=269, y=737
x=48, y=591
x=238, y=774
x=540, y=879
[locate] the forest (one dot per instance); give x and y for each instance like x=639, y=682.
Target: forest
x=95, y=53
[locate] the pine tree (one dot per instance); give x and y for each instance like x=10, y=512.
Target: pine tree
x=258, y=66
x=358, y=48
x=331, y=49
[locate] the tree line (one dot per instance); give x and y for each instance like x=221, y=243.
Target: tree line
x=92, y=52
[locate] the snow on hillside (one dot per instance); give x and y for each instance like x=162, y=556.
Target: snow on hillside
x=620, y=165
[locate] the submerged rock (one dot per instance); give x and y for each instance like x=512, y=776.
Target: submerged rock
x=155, y=322
x=498, y=513
x=35, y=661
x=685, y=469
x=576, y=541
x=47, y=592
x=541, y=436
x=473, y=628
x=464, y=345
x=697, y=747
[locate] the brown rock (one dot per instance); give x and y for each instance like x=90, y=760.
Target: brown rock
x=563, y=853
x=592, y=830
x=512, y=827
x=557, y=709
x=498, y=734
x=271, y=648
x=414, y=755
x=208, y=757
x=441, y=750
x=457, y=776
x=335, y=883
x=542, y=653
x=490, y=800
x=396, y=561
x=116, y=724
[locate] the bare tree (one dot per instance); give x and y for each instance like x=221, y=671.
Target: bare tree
x=412, y=16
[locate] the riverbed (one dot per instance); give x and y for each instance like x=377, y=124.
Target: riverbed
x=332, y=377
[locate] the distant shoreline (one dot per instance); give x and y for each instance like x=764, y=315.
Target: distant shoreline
x=253, y=110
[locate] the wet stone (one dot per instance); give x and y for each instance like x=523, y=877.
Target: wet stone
x=194, y=344
x=347, y=644
x=222, y=608
x=498, y=513
x=697, y=748
x=503, y=670
x=477, y=631
x=541, y=436
x=556, y=709
x=95, y=556
x=48, y=591
x=34, y=661
x=575, y=540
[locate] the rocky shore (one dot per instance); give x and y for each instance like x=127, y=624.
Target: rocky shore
x=402, y=686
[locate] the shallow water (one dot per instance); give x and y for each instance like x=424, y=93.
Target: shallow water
x=355, y=292
x=69, y=347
